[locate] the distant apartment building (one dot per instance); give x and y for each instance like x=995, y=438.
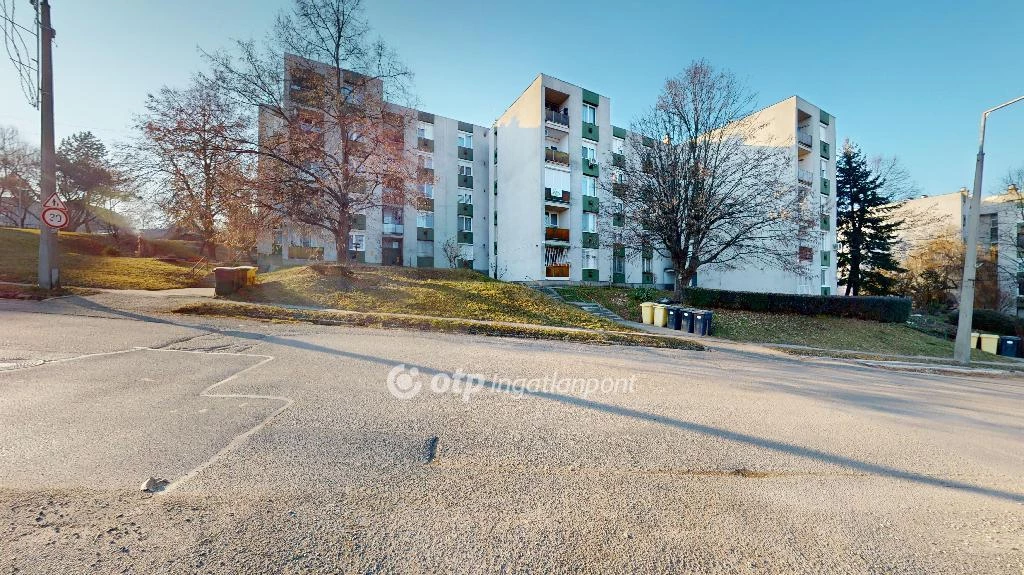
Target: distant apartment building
x=1000, y=233
x=522, y=199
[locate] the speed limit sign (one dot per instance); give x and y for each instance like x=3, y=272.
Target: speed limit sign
x=55, y=218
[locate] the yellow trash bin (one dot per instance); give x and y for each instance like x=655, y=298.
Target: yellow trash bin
x=989, y=343
x=974, y=341
x=660, y=315
x=647, y=312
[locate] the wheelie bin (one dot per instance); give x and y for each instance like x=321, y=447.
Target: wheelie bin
x=647, y=312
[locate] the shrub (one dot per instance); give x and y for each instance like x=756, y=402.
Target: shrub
x=875, y=308
x=111, y=251
x=991, y=321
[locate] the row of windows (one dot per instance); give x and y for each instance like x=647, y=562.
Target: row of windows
x=551, y=220
x=425, y=130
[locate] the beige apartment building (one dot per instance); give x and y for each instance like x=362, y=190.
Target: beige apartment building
x=522, y=198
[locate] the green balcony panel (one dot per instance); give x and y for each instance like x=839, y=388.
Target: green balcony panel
x=591, y=98
x=465, y=264
x=825, y=222
x=825, y=117
x=647, y=278
x=591, y=276
x=619, y=190
x=358, y=221
x=618, y=160
x=591, y=204
x=619, y=278
x=466, y=154
x=619, y=220
x=826, y=259
x=425, y=234
x=425, y=145
x=590, y=168
x=465, y=237
x=465, y=209
x=590, y=240
x=424, y=261
x=425, y=117
x=618, y=250
x=824, y=150
x=618, y=132
x=357, y=256
x=465, y=181
x=466, y=127
x=825, y=290
x=590, y=131
x=647, y=252
x=826, y=187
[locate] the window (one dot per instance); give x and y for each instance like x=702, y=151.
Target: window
x=357, y=242
x=425, y=249
x=619, y=265
x=824, y=168
x=465, y=140
x=425, y=220
x=647, y=265
x=425, y=130
x=465, y=224
x=465, y=198
x=805, y=254
x=589, y=153
x=428, y=190
x=589, y=186
x=551, y=219
x=823, y=133
x=617, y=145
x=824, y=275
x=465, y=169
x=392, y=217
x=589, y=114
x=427, y=161
x=589, y=222
x=589, y=259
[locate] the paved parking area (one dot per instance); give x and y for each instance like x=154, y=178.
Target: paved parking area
x=288, y=453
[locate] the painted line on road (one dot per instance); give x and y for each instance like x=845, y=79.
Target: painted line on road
x=209, y=392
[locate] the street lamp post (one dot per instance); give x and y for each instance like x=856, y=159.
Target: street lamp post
x=962, y=351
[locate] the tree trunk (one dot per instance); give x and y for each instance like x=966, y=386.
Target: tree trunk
x=341, y=239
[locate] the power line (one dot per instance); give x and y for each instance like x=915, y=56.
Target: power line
x=18, y=51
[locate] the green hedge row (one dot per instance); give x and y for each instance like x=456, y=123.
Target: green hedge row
x=875, y=308
x=991, y=321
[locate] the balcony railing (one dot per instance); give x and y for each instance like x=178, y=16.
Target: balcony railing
x=556, y=196
x=556, y=234
x=556, y=157
x=805, y=138
x=557, y=271
x=556, y=117
x=805, y=177
x=393, y=229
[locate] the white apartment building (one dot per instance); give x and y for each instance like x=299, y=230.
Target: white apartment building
x=523, y=198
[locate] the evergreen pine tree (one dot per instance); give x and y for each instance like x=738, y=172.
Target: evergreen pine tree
x=866, y=227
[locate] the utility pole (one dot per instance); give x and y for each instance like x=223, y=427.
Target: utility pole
x=962, y=351
x=49, y=272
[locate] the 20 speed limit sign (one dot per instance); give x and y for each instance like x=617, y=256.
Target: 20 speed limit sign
x=55, y=218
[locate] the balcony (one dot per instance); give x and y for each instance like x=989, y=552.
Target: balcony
x=647, y=278
x=590, y=131
x=590, y=240
x=805, y=177
x=392, y=229
x=465, y=209
x=424, y=261
x=591, y=275
x=826, y=259
x=556, y=234
x=358, y=221
x=466, y=182
x=425, y=145
x=826, y=188
x=556, y=117
x=555, y=196
x=466, y=154
x=805, y=139
x=618, y=160
x=619, y=190
x=556, y=157
x=465, y=237
x=557, y=271
x=825, y=150
x=591, y=204
x=618, y=278
x=425, y=234
x=590, y=167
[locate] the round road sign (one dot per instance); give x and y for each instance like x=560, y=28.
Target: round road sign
x=55, y=218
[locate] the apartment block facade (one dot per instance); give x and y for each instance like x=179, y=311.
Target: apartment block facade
x=523, y=198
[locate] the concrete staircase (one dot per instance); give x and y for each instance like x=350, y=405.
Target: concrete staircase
x=598, y=310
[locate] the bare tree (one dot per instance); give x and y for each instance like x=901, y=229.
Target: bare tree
x=452, y=252
x=703, y=185
x=19, y=169
x=331, y=141
x=183, y=150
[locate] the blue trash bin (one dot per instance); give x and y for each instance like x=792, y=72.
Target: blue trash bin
x=675, y=317
x=1008, y=345
x=702, y=322
x=687, y=320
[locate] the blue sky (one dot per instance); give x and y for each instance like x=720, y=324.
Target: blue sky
x=903, y=78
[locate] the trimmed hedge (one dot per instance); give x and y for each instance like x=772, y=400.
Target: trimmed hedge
x=874, y=308
x=991, y=321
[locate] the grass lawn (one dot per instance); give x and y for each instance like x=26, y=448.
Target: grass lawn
x=83, y=264
x=435, y=292
x=758, y=327
x=273, y=313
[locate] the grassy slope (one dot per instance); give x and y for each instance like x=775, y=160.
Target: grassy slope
x=433, y=292
x=757, y=327
x=83, y=265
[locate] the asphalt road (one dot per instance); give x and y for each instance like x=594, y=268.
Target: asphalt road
x=286, y=452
